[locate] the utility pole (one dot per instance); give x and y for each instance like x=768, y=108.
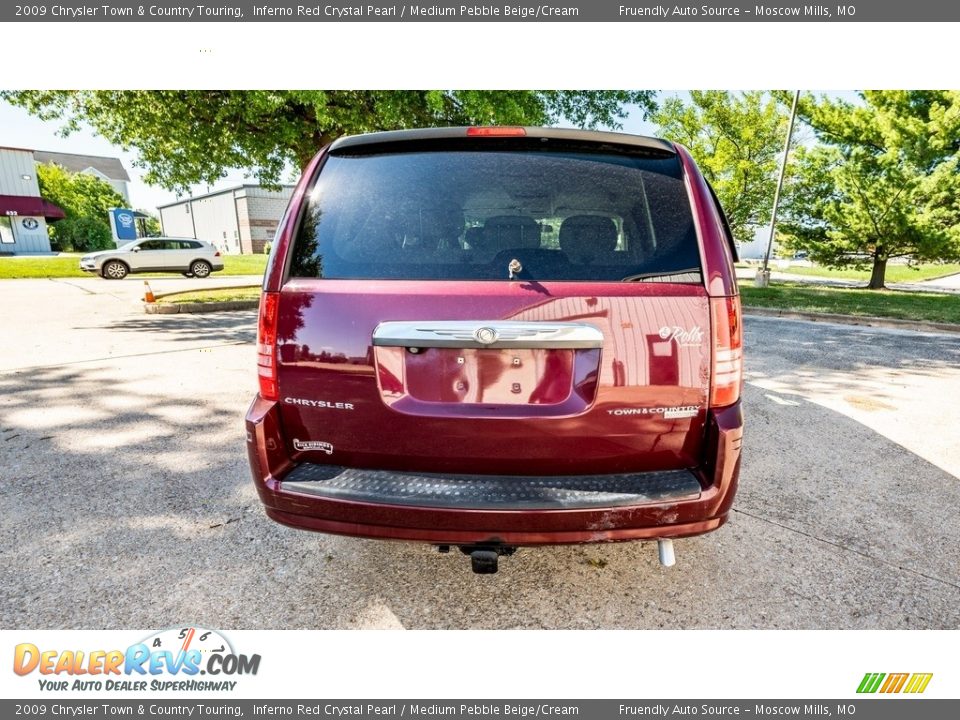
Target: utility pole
x=763, y=275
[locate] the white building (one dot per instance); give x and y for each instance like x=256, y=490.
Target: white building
x=238, y=220
x=757, y=247
x=23, y=213
x=108, y=169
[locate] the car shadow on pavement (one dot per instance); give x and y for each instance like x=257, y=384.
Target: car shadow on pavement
x=129, y=504
x=220, y=327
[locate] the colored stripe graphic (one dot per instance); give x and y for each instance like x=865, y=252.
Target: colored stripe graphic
x=918, y=682
x=870, y=682
x=894, y=683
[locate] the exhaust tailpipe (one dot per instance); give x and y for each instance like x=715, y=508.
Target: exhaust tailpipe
x=665, y=550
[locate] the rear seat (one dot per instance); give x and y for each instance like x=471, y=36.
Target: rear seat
x=589, y=239
x=510, y=232
x=431, y=229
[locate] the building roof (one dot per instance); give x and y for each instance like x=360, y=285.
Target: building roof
x=111, y=167
x=234, y=189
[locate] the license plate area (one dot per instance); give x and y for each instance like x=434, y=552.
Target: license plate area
x=520, y=376
x=487, y=382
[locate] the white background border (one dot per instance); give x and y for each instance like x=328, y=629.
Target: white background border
x=652, y=55
x=655, y=55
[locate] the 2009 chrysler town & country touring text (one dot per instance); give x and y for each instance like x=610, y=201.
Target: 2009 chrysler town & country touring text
x=497, y=337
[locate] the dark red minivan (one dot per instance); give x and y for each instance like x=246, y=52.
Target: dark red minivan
x=493, y=337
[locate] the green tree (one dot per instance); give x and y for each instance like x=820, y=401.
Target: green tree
x=78, y=194
x=736, y=140
x=184, y=137
x=83, y=198
x=885, y=183
x=151, y=223
x=82, y=234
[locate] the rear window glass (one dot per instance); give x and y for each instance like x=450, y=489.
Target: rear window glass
x=471, y=215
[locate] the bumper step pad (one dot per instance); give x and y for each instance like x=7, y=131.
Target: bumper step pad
x=491, y=492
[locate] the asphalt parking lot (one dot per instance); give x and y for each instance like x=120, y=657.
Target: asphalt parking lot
x=127, y=501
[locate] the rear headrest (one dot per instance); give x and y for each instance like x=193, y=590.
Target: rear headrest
x=510, y=232
x=474, y=237
x=429, y=227
x=586, y=236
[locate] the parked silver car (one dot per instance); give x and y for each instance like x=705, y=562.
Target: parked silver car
x=193, y=258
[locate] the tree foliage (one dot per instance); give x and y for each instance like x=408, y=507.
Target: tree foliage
x=86, y=200
x=885, y=183
x=151, y=223
x=736, y=140
x=184, y=137
x=78, y=194
x=82, y=234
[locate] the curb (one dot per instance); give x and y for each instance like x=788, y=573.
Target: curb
x=208, y=307
x=863, y=320
x=213, y=287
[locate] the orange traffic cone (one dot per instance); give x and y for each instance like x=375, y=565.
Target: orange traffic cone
x=148, y=293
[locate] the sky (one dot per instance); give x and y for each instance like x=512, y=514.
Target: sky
x=20, y=129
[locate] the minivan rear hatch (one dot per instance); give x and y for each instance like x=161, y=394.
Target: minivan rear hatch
x=502, y=305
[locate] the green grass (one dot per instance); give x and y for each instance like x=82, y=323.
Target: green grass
x=214, y=295
x=895, y=273
x=244, y=264
x=932, y=307
x=41, y=267
x=67, y=266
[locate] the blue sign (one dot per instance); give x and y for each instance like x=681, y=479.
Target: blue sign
x=123, y=223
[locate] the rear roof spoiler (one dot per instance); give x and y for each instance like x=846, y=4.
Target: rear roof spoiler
x=609, y=139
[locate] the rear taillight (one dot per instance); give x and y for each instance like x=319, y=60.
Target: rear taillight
x=267, y=346
x=217, y=254
x=496, y=132
x=727, y=351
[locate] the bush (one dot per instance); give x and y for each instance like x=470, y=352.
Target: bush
x=82, y=234
x=267, y=247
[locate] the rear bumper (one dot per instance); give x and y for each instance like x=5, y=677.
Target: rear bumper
x=651, y=518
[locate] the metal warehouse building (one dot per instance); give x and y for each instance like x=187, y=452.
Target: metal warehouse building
x=239, y=220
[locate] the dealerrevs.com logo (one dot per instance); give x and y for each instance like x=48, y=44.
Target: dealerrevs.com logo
x=171, y=659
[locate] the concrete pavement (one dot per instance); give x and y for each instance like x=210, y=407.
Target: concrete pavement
x=127, y=500
x=69, y=319
x=951, y=282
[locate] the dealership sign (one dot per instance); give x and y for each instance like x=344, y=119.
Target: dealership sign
x=124, y=225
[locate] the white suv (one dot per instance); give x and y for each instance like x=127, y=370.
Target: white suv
x=193, y=258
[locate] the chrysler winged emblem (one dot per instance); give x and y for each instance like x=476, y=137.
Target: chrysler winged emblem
x=485, y=335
